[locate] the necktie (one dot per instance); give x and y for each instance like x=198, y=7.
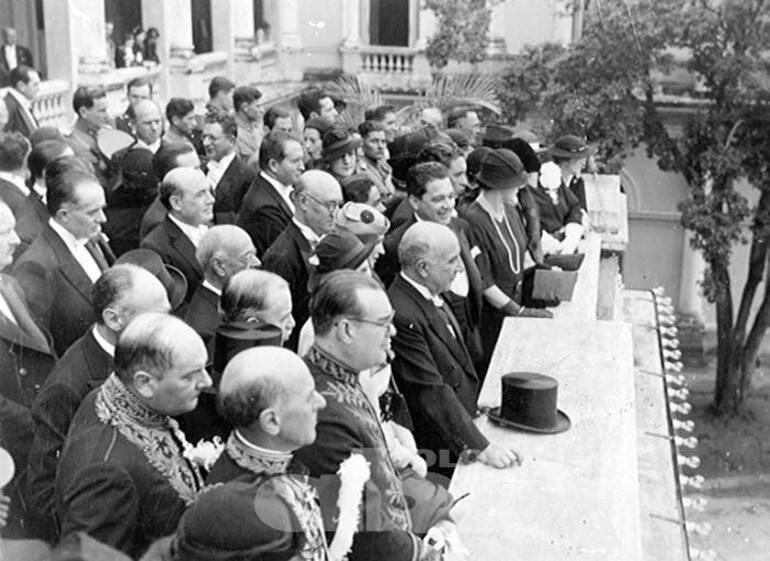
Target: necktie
x=450, y=320
x=96, y=252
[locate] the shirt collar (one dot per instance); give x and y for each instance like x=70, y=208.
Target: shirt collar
x=40, y=190
x=283, y=190
x=307, y=232
x=206, y=284
x=151, y=147
x=16, y=180
x=69, y=240
x=195, y=233
x=108, y=347
x=424, y=292
x=224, y=163
x=332, y=366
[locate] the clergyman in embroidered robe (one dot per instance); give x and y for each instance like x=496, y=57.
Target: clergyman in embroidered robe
x=123, y=477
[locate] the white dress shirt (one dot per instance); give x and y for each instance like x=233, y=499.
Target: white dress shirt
x=78, y=250
x=217, y=169
x=10, y=56
x=151, y=147
x=5, y=310
x=437, y=300
x=283, y=190
x=193, y=233
x=308, y=233
x=206, y=284
x=25, y=103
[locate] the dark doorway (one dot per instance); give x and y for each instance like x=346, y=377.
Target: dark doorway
x=125, y=15
x=201, y=24
x=389, y=23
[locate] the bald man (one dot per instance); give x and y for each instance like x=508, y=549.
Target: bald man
x=119, y=295
x=223, y=251
x=122, y=477
x=317, y=196
x=148, y=125
x=186, y=194
x=432, y=364
x=265, y=507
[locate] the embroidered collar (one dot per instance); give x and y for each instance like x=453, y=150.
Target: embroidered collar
x=157, y=436
x=331, y=366
x=256, y=459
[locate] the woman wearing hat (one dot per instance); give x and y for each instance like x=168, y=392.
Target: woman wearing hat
x=366, y=223
x=570, y=153
x=339, y=153
x=499, y=240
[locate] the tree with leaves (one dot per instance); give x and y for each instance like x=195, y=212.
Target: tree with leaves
x=463, y=26
x=607, y=86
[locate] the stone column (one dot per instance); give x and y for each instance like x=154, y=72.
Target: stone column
x=232, y=27
x=288, y=39
x=496, y=44
x=426, y=27
x=76, y=45
x=173, y=18
x=351, y=29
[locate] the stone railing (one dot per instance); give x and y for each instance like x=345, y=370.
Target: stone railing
x=116, y=80
x=52, y=107
x=391, y=67
x=387, y=60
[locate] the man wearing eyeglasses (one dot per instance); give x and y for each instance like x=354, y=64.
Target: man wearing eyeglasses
x=316, y=197
x=432, y=364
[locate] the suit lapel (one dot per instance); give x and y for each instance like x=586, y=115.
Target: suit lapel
x=70, y=268
x=98, y=362
x=276, y=197
x=27, y=333
x=436, y=323
x=182, y=244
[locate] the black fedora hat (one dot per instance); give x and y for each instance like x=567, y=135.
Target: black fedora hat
x=495, y=134
x=232, y=338
x=501, y=169
x=570, y=146
x=529, y=404
x=169, y=276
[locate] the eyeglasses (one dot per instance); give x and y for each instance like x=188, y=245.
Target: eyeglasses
x=387, y=323
x=331, y=206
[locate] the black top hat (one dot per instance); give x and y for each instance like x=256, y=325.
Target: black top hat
x=232, y=338
x=501, y=169
x=169, y=276
x=337, y=142
x=525, y=152
x=529, y=403
x=570, y=146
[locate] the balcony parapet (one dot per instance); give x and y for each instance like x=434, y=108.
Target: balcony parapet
x=51, y=107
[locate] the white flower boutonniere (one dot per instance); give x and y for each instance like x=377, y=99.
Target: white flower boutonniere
x=205, y=453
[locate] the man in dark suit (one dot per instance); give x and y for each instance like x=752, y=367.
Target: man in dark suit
x=223, y=251
x=33, y=214
x=123, y=478
x=228, y=174
x=14, y=149
x=432, y=365
x=168, y=157
x=120, y=294
x=12, y=54
x=431, y=196
x=267, y=207
x=186, y=193
x=68, y=255
x=26, y=358
x=24, y=87
x=317, y=196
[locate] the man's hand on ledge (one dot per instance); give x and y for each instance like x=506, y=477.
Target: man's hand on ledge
x=499, y=457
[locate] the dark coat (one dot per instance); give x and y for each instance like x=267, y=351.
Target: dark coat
x=264, y=214
x=32, y=218
x=11, y=196
x=230, y=191
x=19, y=120
x=25, y=361
x=203, y=316
x=554, y=217
x=435, y=372
x=578, y=188
x=57, y=288
x=349, y=423
x=23, y=57
x=83, y=368
x=176, y=249
x=288, y=257
x=106, y=487
x=153, y=216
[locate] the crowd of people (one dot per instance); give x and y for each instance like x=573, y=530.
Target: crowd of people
x=203, y=327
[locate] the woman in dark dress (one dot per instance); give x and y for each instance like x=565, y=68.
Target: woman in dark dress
x=499, y=241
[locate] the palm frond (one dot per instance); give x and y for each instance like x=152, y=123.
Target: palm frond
x=359, y=93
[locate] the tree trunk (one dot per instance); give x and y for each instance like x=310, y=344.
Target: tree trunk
x=727, y=395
